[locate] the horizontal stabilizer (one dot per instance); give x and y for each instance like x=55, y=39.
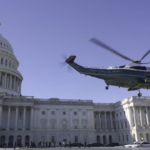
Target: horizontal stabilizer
x=70, y=59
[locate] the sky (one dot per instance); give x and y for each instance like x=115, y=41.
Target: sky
x=40, y=31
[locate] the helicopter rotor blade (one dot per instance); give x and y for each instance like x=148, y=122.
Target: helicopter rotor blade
x=62, y=64
x=64, y=56
x=145, y=55
x=145, y=63
x=95, y=41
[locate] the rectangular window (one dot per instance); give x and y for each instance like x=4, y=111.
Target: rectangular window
x=123, y=138
x=43, y=112
x=53, y=125
x=52, y=112
x=75, y=113
x=1, y=60
x=85, y=138
x=127, y=137
x=84, y=113
x=122, y=125
x=84, y=125
x=75, y=126
x=126, y=124
x=64, y=126
x=76, y=139
x=43, y=125
x=43, y=138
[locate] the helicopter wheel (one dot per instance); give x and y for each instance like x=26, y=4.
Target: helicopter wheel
x=139, y=94
x=106, y=87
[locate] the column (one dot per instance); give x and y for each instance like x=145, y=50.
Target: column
x=17, y=84
x=38, y=121
x=10, y=82
x=8, y=118
x=137, y=138
x=141, y=120
x=79, y=111
x=89, y=119
x=0, y=79
x=71, y=126
x=0, y=116
x=16, y=119
x=105, y=120
x=20, y=86
x=134, y=116
x=92, y=119
x=99, y=120
x=147, y=116
x=57, y=110
x=48, y=121
x=144, y=116
x=5, y=81
x=14, y=86
x=24, y=118
x=31, y=118
x=130, y=119
x=111, y=122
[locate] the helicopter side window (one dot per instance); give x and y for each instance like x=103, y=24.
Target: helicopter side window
x=139, y=67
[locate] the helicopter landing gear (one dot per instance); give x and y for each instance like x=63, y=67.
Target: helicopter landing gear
x=107, y=87
x=139, y=94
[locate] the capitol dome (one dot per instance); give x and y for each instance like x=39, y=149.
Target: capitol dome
x=5, y=45
x=10, y=77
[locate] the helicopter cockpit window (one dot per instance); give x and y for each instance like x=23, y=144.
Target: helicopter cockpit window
x=139, y=67
x=122, y=66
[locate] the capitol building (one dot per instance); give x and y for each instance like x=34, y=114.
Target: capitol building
x=25, y=119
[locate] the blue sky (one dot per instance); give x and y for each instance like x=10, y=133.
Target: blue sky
x=41, y=30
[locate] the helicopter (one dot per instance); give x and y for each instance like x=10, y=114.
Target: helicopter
x=132, y=76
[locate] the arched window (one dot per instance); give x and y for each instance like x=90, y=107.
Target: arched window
x=9, y=63
x=126, y=124
x=1, y=60
x=64, y=124
x=127, y=138
x=19, y=124
x=6, y=62
x=123, y=138
x=84, y=125
x=43, y=124
x=52, y=125
x=98, y=139
x=122, y=125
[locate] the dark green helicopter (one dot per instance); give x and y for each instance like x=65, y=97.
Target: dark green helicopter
x=132, y=76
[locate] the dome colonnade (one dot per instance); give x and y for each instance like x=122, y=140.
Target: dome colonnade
x=10, y=77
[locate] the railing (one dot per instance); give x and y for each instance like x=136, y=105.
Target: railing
x=97, y=104
x=142, y=97
x=63, y=100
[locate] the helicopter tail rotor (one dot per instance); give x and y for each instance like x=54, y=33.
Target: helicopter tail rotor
x=67, y=60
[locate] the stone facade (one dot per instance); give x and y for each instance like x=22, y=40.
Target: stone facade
x=24, y=118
